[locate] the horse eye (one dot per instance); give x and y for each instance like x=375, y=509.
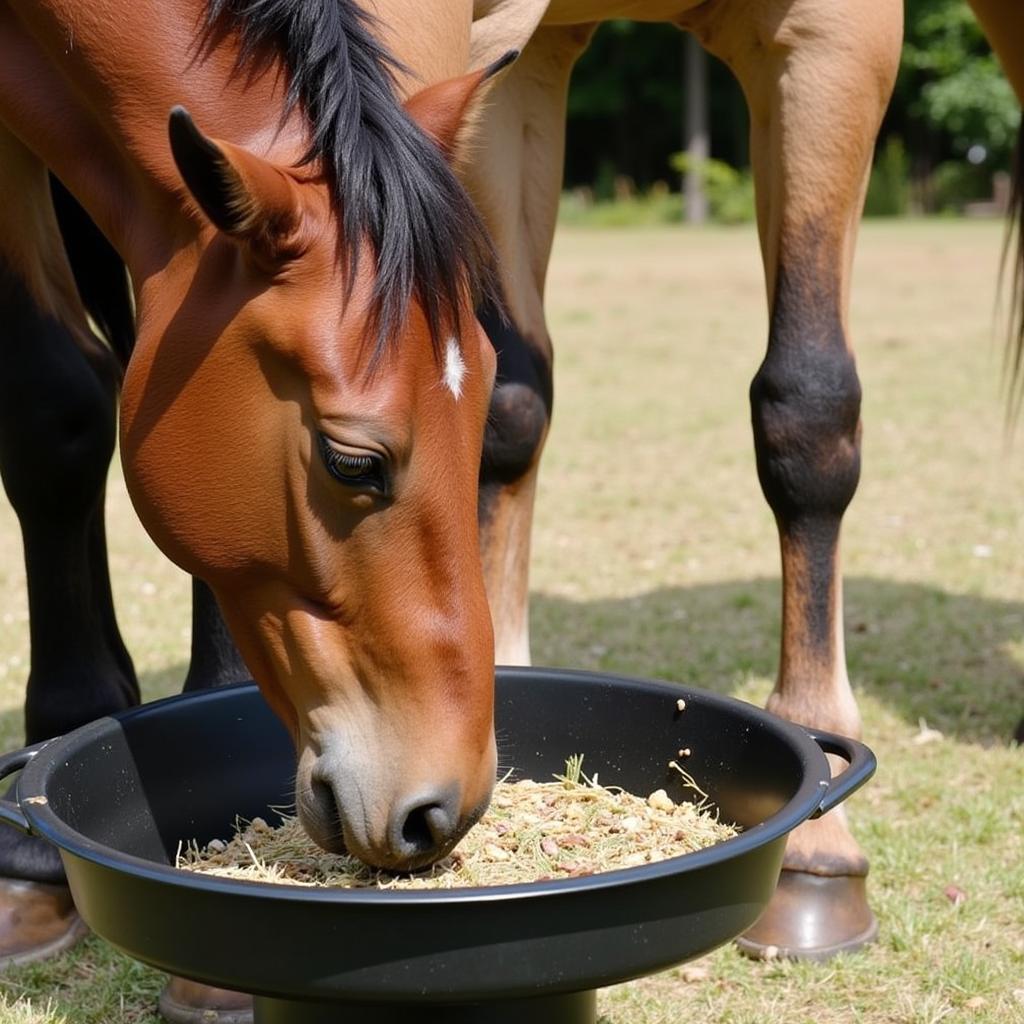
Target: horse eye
x=362, y=470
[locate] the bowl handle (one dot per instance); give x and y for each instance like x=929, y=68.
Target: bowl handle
x=10, y=810
x=862, y=765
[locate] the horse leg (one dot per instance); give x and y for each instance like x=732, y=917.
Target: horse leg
x=57, y=428
x=817, y=75
x=102, y=285
x=214, y=659
x=515, y=177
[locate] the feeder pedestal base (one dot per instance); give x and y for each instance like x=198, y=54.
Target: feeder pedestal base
x=574, y=1008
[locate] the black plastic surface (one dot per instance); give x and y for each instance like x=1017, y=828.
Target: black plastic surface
x=121, y=793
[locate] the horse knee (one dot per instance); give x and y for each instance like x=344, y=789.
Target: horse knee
x=805, y=404
x=517, y=424
x=520, y=410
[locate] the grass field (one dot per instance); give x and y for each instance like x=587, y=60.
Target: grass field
x=655, y=555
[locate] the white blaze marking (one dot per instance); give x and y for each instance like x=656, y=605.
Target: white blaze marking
x=454, y=368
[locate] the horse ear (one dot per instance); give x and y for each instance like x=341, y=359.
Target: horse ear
x=443, y=110
x=247, y=198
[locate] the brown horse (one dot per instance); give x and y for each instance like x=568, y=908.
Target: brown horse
x=303, y=411
x=817, y=75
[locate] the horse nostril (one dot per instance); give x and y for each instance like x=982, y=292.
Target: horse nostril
x=321, y=817
x=428, y=828
x=416, y=830
x=323, y=799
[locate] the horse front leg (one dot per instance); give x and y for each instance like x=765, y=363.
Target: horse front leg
x=817, y=75
x=57, y=429
x=515, y=177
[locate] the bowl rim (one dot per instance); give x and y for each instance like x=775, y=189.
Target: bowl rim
x=45, y=823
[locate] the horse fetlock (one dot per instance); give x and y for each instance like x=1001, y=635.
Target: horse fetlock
x=25, y=860
x=825, y=846
x=87, y=686
x=805, y=405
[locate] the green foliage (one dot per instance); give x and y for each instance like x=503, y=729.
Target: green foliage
x=604, y=181
x=951, y=81
x=888, y=188
x=955, y=182
x=626, y=112
x=637, y=211
x=730, y=192
x=625, y=105
x=974, y=105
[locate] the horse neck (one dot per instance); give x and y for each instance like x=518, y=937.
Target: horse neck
x=105, y=75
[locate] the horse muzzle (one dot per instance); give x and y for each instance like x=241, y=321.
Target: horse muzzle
x=403, y=832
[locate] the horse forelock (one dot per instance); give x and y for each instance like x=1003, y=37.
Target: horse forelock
x=390, y=183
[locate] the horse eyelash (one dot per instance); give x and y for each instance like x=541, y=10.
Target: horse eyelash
x=349, y=461
x=333, y=457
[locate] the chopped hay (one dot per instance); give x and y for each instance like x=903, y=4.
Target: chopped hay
x=533, y=831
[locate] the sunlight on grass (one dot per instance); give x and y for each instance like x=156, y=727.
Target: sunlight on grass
x=23, y=1011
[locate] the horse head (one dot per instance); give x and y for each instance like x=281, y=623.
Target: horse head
x=315, y=460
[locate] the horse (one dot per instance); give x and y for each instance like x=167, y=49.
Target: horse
x=817, y=76
x=303, y=394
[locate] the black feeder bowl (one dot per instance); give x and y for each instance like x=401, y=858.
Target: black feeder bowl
x=117, y=796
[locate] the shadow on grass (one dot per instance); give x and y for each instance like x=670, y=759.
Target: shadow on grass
x=955, y=660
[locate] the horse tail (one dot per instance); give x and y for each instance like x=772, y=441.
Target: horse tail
x=1013, y=254
x=99, y=272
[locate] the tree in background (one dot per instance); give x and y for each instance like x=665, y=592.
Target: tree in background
x=626, y=109
x=951, y=124
x=953, y=110
x=951, y=83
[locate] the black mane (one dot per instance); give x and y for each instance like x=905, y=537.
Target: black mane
x=391, y=183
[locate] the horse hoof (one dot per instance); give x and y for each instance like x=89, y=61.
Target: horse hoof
x=188, y=1002
x=37, y=921
x=812, y=917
